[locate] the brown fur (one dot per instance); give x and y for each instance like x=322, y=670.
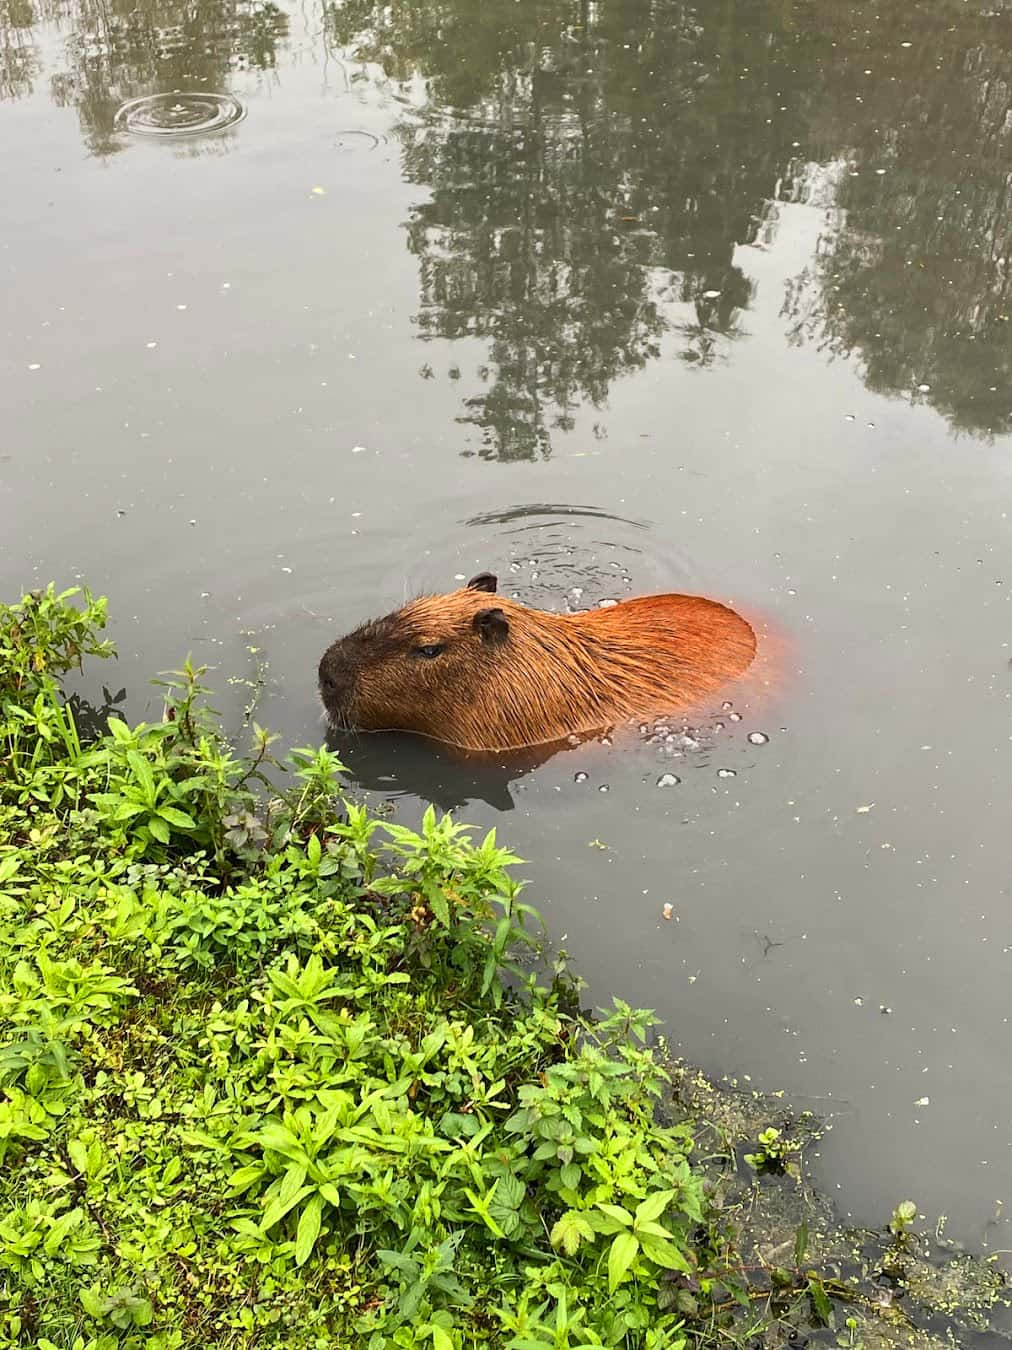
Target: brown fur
x=507, y=677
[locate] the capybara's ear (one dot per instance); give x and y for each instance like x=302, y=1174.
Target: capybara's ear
x=492, y=626
x=484, y=581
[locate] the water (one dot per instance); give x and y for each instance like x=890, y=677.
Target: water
x=607, y=299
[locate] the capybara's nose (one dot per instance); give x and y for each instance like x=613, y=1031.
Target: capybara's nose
x=336, y=679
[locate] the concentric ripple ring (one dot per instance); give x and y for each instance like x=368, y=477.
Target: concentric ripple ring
x=180, y=113
x=358, y=140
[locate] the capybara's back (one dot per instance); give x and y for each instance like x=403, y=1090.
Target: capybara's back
x=488, y=675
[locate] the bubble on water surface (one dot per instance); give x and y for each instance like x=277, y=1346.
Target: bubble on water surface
x=580, y=777
x=727, y=773
x=668, y=780
x=758, y=738
x=166, y=116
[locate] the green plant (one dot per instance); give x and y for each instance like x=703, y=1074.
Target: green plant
x=902, y=1220
x=775, y=1153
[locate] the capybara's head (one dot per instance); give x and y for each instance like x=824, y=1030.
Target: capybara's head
x=412, y=670
x=488, y=674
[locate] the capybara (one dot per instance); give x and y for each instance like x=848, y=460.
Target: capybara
x=500, y=676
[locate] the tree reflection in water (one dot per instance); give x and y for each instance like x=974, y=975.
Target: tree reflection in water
x=590, y=168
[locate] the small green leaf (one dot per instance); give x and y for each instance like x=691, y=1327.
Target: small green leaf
x=438, y=904
x=820, y=1303
x=570, y=1175
x=93, y=1304
x=244, y=1177
x=653, y=1206
x=570, y=1231
x=614, y=1218
x=308, y=1230
x=666, y=1255
x=280, y=1208
x=800, y=1243
x=623, y=1253
x=78, y=1151
x=159, y=829
x=176, y=817
x=142, y=772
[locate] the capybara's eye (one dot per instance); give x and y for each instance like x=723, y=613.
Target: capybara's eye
x=431, y=650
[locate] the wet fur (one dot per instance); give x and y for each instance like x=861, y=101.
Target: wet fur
x=513, y=677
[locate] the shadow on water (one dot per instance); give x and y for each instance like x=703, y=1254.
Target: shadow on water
x=397, y=765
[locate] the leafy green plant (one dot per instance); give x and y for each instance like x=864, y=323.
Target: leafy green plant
x=775, y=1153
x=903, y=1217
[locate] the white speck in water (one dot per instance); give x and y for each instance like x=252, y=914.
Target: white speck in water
x=668, y=910
x=606, y=604
x=358, y=449
x=906, y=44
x=859, y=1003
x=580, y=777
x=734, y=717
x=180, y=307
x=863, y=810
x=149, y=345
x=668, y=780
x=849, y=417
x=727, y=705
x=36, y=365
x=727, y=773
x=923, y=388
x=923, y=1101
x=604, y=788
x=286, y=569
x=758, y=738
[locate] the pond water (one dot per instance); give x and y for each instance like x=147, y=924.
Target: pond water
x=607, y=298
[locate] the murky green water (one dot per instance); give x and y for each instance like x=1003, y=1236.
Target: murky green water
x=608, y=298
